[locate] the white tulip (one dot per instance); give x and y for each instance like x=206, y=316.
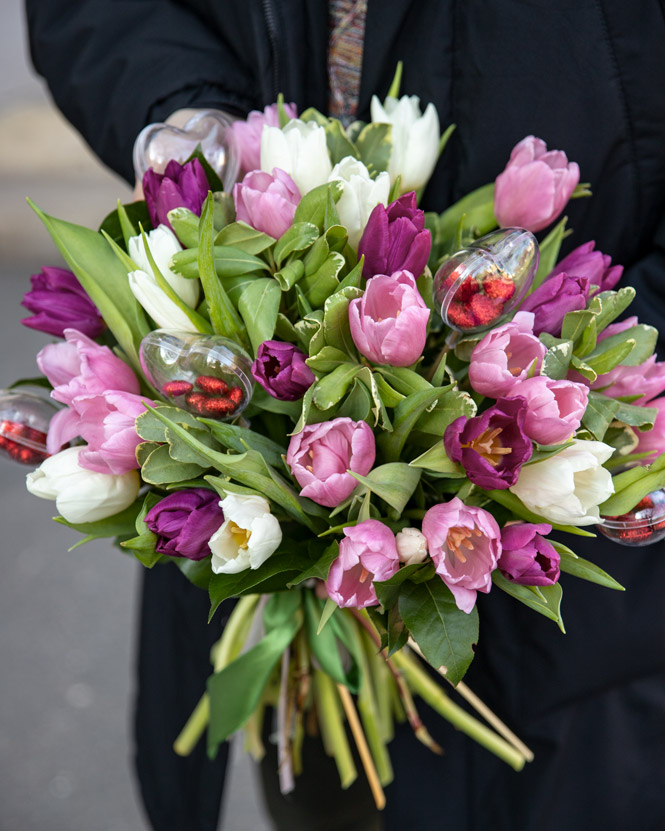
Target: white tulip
x=411, y=546
x=300, y=149
x=165, y=313
x=82, y=495
x=361, y=195
x=163, y=244
x=415, y=139
x=568, y=487
x=248, y=536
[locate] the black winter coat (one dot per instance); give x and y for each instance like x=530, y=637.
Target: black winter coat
x=588, y=76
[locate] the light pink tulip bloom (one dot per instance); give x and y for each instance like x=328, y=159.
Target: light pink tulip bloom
x=535, y=186
x=554, y=408
x=465, y=544
x=646, y=379
x=653, y=441
x=321, y=454
x=389, y=322
x=368, y=552
x=505, y=356
x=266, y=201
x=248, y=133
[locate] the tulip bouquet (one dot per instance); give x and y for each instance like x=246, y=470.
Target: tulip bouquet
x=354, y=416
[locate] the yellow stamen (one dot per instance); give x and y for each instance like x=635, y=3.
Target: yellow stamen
x=488, y=445
x=458, y=537
x=240, y=535
x=364, y=574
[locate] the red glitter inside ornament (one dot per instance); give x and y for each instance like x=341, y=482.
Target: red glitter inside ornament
x=235, y=395
x=485, y=310
x=174, y=389
x=208, y=383
x=21, y=443
x=499, y=288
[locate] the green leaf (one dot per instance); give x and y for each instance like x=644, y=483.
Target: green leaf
x=643, y=417
x=326, y=360
x=358, y=403
x=229, y=262
x=388, y=591
x=259, y=306
x=312, y=207
x=185, y=223
x=236, y=691
x=375, y=145
x=404, y=380
x=243, y=237
x=289, y=275
x=133, y=215
x=336, y=327
x=478, y=209
x=436, y=459
x=394, y=483
x=240, y=438
x=549, y=253
x=159, y=468
x=223, y=316
x=599, y=414
x=299, y=237
x=608, y=305
x=445, y=634
x=396, y=82
x=332, y=388
x=585, y=570
x=557, y=358
x=407, y=414
x=320, y=569
x=104, y=280
x=633, y=485
x=122, y=524
x=643, y=338
x=606, y=356
x=339, y=145
x=517, y=507
x=354, y=278
x=575, y=323
x=325, y=645
x=543, y=599
x=319, y=286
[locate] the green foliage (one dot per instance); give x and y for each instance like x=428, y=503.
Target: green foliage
x=543, y=599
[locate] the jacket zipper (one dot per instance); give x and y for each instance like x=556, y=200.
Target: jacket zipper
x=270, y=16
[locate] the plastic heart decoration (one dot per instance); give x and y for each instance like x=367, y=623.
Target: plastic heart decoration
x=24, y=422
x=482, y=284
x=158, y=144
x=208, y=375
x=644, y=525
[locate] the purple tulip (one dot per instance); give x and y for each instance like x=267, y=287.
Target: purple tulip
x=585, y=262
x=505, y=356
x=464, y=543
x=184, y=521
x=281, y=370
x=248, y=133
x=389, y=322
x=534, y=187
x=368, y=552
x=491, y=447
x=58, y=302
x=180, y=186
x=552, y=301
x=321, y=454
x=395, y=238
x=527, y=557
x=554, y=408
x=267, y=201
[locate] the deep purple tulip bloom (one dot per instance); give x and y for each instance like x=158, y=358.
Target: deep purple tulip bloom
x=395, y=239
x=184, y=521
x=281, y=370
x=527, y=557
x=491, y=447
x=552, y=301
x=585, y=262
x=58, y=302
x=180, y=186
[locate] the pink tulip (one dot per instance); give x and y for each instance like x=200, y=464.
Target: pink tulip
x=505, y=356
x=321, y=454
x=554, y=408
x=653, y=441
x=535, y=186
x=389, y=322
x=465, y=544
x=368, y=552
x=248, y=133
x=583, y=261
x=646, y=380
x=266, y=201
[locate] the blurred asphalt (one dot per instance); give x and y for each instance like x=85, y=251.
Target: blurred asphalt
x=67, y=619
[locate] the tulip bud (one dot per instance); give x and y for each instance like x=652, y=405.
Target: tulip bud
x=248, y=133
x=163, y=244
x=180, y=186
x=267, y=201
x=58, y=302
x=360, y=196
x=411, y=546
x=301, y=150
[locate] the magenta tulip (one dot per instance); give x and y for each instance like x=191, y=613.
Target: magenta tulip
x=281, y=370
x=505, y=356
x=493, y=446
x=552, y=301
x=554, y=408
x=585, y=262
x=534, y=187
x=389, y=322
x=465, y=544
x=184, y=521
x=266, y=201
x=248, y=133
x=58, y=302
x=180, y=186
x=321, y=455
x=368, y=552
x=527, y=557
x=395, y=238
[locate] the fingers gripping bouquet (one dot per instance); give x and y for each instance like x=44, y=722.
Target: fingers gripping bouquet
x=306, y=393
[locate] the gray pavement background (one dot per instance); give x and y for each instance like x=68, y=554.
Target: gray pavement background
x=67, y=619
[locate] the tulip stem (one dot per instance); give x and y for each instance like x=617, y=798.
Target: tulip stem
x=479, y=705
x=194, y=728
x=284, y=760
x=332, y=727
x=363, y=749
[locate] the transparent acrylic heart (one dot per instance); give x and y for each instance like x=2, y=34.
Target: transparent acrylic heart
x=644, y=525
x=208, y=375
x=157, y=144
x=24, y=422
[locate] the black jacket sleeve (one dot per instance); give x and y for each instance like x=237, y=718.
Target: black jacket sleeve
x=114, y=66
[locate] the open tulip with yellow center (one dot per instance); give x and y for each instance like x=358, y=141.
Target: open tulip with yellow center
x=248, y=536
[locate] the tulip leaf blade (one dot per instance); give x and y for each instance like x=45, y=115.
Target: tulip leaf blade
x=339, y=144
x=608, y=305
x=312, y=207
x=237, y=438
x=394, y=482
x=358, y=403
x=643, y=337
x=332, y=387
x=444, y=633
x=243, y=237
x=320, y=569
x=135, y=213
x=436, y=459
x=122, y=524
x=633, y=485
x=336, y=327
x=515, y=505
x=547, y=600
x=159, y=468
x=479, y=209
x=599, y=414
x=375, y=145
x=574, y=325
x=185, y=223
x=299, y=237
x=585, y=570
x=259, y=307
